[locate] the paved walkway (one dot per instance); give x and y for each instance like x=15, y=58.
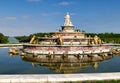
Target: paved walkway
x=58, y=77
x=11, y=45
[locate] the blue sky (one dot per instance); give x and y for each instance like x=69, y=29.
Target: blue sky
x=24, y=17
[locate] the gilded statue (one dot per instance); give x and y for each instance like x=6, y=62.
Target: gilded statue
x=32, y=41
x=96, y=39
x=60, y=40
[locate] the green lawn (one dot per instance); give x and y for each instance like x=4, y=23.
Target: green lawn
x=106, y=81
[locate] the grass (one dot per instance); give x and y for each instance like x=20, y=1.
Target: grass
x=103, y=81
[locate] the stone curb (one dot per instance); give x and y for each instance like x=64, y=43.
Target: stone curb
x=35, y=78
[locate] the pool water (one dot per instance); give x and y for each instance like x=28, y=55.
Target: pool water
x=16, y=65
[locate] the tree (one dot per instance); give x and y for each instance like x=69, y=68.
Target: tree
x=3, y=39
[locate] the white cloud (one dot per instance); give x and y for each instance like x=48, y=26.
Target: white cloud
x=8, y=18
x=33, y=0
x=66, y=3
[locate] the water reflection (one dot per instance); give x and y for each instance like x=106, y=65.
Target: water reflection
x=69, y=64
x=118, y=54
x=66, y=67
x=13, y=55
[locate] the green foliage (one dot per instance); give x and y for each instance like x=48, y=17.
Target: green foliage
x=102, y=81
x=23, y=38
x=3, y=39
x=41, y=34
x=28, y=38
x=107, y=37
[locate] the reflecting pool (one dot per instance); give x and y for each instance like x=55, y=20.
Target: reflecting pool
x=17, y=64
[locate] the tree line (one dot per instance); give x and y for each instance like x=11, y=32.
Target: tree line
x=26, y=39
x=106, y=37
x=3, y=38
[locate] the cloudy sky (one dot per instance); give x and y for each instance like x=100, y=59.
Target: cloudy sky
x=24, y=17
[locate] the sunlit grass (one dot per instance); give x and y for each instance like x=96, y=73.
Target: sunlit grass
x=103, y=81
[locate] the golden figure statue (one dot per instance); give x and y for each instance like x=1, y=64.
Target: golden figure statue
x=33, y=39
x=46, y=36
x=99, y=41
x=60, y=40
x=96, y=39
x=51, y=42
